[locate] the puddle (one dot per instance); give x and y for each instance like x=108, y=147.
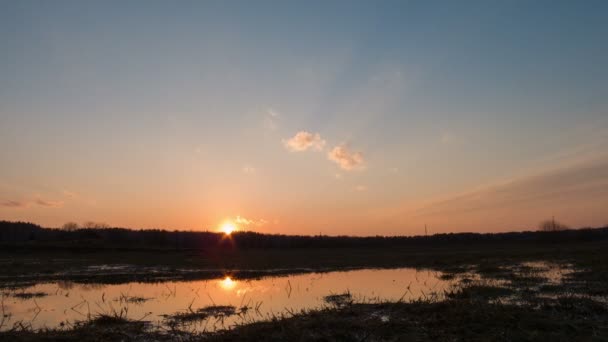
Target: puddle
x=533, y=280
x=553, y=273
x=254, y=300
x=212, y=304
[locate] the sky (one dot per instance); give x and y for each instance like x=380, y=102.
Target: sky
x=331, y=117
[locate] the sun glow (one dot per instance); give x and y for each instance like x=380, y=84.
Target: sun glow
x=228, y=227
x=227, y=283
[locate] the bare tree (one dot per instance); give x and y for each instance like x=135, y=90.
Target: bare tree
x=95, y=225
x=552, y=226
x=70, y=226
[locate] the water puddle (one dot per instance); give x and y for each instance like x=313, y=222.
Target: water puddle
x=223, y=302
x=208, y=305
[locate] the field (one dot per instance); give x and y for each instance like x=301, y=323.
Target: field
x=498, y=291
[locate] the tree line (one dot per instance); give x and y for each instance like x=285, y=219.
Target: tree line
x=102, y=236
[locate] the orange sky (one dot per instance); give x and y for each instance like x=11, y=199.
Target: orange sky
x=301, y=119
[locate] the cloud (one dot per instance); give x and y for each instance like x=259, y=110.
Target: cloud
x=273, y=113
x=303, y=140
x=346, y=159
x=271, y=119
x=576, y=193
x=14, y=204
x=25, y=204
x=244, y=222
x=50, y=204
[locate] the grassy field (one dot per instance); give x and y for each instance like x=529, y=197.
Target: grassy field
x=452, y=320
x=478, y=310
x=28, y=263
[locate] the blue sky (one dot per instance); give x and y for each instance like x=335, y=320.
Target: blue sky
x=179, y=114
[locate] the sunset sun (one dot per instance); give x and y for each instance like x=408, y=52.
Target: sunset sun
x=227, y=228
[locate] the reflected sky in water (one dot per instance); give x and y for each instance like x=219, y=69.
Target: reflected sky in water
x=66, y=302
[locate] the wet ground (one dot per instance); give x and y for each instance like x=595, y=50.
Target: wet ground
x=227, y=301
x=57, y=304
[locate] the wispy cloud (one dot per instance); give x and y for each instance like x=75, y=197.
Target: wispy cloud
x=571, y=191
x=346, y=159
x=271, y=119
x=245, y=223
x=50, y=204
x=303, y=141
x=14, y=204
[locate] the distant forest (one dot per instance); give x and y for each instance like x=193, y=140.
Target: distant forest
x=29, y=234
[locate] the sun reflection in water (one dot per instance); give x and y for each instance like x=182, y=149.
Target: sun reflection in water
x=227, y=283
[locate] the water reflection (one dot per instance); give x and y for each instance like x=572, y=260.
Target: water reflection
x=259, y=299
x=227, y=283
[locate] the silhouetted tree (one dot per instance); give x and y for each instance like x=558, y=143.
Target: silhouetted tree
x=70, y=226
x=552, y=226
x=95, y=225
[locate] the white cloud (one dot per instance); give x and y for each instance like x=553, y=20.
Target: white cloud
x=303, y=140
x=244, y=222
x=346, y=159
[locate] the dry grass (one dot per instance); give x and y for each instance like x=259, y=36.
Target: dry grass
x=213, y=311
